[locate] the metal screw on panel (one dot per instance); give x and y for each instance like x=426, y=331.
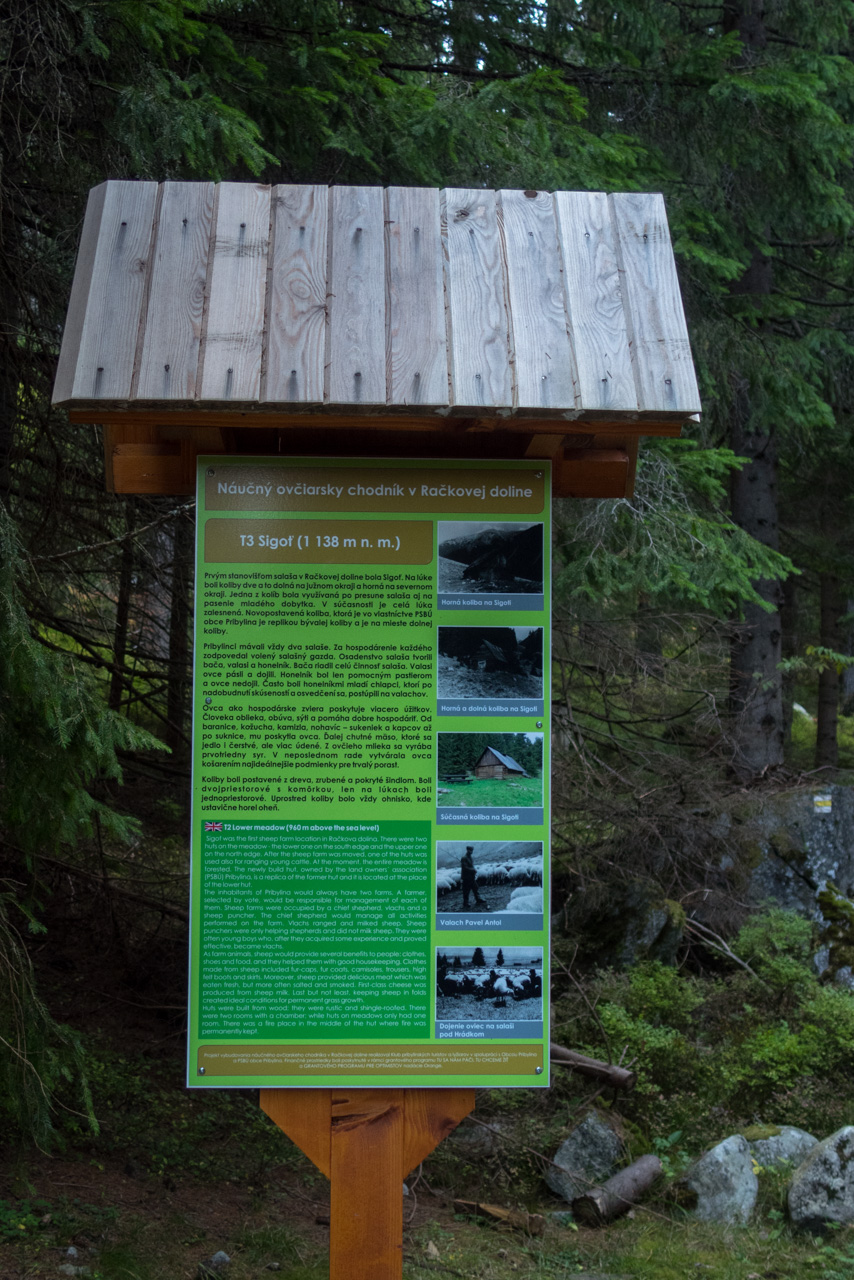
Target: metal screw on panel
x=538, y=1071
x=211, y=471
x=202, y=1070
x=539, y=724
x=208, y=701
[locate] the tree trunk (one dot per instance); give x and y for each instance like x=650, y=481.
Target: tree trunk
x=826, y=748
x=179, y=638
x=120, y=632
x=790, y=643
x=616, y=1196
x=848, y=649
x=755, y=682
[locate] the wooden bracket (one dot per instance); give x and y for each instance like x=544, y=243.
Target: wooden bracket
x=366, y=1141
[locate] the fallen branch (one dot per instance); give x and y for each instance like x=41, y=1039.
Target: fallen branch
x=604, y=1072
x=616, y=1196
x=532, y=1223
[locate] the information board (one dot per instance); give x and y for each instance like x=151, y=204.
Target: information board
x=369, y=871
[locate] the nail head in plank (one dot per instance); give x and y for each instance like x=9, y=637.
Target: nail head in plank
x=598, y=328
x=355, y=356
x=417, y=353
x=171, y=338
x=237, y=279
x=296, y=307
x=663, y=366
x=111, y=300
x=543, y=361
x=479, y=343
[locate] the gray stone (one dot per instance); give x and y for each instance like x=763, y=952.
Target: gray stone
x=587, y=1157
x=789, y=1146
x=822, y=1189
x=724, y=1182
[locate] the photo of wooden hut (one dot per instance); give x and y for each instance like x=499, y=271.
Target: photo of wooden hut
x=494, y=764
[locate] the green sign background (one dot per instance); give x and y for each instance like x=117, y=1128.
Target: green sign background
x=342, y=764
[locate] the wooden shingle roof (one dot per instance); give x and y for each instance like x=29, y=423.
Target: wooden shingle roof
x=518, y=304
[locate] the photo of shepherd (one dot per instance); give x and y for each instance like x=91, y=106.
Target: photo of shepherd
x=489, y=876
x=481, y=984
x=479, y=558
x=492, y=770
x=490, y=662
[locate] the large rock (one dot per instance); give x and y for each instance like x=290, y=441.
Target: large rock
x=723, y=1182
x=772, y=1147
x=587, y=1157
x=822, y=1189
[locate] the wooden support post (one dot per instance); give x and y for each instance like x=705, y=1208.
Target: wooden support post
x=366, y=1141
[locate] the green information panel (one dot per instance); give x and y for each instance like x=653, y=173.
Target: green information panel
x=370, y=774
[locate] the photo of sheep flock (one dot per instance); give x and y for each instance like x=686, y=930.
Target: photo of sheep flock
x=508, y=876
x=489, y=984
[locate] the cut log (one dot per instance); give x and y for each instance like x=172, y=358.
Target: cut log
x=616, y=1196
x=532, y=1223
x=616, y=1077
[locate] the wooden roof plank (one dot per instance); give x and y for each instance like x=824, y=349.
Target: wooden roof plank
x=544, y=365
x=417, y=346
x=169, y=358
x=598, y=327
x=233, y=331
x=296, y=304
x=477, y=302
x=664, y=370
x=355, y=357
x=112, y=271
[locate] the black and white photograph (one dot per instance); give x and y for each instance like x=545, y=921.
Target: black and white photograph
x=490, y=662
x=489, y=984
x=488, y=877
x=483, y=558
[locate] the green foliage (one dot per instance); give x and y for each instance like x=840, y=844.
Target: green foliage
x=671, y=542
x=771, y=1046
x=42, y=1064
x=56, y=734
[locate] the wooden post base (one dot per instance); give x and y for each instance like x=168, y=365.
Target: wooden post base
x=366, y=1141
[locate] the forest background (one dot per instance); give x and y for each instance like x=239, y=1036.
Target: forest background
x=690, y=619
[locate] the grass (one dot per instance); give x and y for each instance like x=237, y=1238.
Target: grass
x=491, y=793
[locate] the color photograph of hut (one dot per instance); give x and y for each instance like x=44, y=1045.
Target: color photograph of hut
x=494, y=764
x=489, y=769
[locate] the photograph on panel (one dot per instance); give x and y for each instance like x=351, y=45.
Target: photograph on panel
x=478, y=557
x=480, y=984
x=489, y=770
x=489, y=876
x=490, y=662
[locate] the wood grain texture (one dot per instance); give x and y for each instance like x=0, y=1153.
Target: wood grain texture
x=169, y=358
x=305, y=1115
x=237, y=279
x=592, y=473
x=600, y=335
x=544, y=367
x=112, y=267
x=417, y=347
x=664, y=370
x=366, y=1203
x=75, y=320
x=431, y=1114
x=296, y=305
x=477, y=302
x=355, y=358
